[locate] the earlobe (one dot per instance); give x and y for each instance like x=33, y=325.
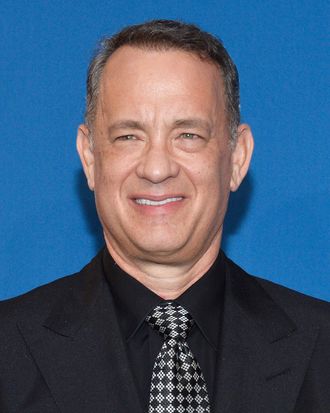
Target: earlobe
x=86, y=154
x=241, y=156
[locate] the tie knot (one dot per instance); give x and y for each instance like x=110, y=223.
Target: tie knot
x=171, y=320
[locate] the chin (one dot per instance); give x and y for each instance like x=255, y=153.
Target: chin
x=162, y=251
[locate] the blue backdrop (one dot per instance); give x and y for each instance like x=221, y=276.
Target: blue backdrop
x=278, y=222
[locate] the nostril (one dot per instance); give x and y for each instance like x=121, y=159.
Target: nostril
x=157, y=166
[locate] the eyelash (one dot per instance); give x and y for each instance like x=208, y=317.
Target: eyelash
x=185, y=135
x=126, y=138
x=192, y=135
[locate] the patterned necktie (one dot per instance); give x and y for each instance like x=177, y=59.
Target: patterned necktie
x=177, y=383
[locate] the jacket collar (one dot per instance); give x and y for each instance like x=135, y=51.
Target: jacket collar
x=264, y=354
x=79, y=351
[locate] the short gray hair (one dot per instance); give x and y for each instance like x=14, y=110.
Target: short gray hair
x=165, y=35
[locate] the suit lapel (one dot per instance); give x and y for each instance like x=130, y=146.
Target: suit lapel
x=263, y=356
x=79, y=350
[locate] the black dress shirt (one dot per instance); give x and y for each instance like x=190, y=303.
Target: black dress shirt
x=133, y=302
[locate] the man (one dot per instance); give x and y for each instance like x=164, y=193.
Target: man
x=161, y=320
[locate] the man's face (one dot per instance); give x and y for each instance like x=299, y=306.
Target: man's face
x=161, y=166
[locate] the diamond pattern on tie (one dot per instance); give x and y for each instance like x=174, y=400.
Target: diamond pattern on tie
x=177, y=383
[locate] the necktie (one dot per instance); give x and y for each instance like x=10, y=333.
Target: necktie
x=177, y=382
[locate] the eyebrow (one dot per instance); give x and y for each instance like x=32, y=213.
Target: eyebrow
x=178, y=123
x=126, y=124
x=193, y=123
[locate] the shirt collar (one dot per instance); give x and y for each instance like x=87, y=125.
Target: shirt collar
x=133, y=301
x=204, y=301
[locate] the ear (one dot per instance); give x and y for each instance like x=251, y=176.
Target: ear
x=241, y=156
x=85, y=151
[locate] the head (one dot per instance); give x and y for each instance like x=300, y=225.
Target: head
x=162, y=115
x=165, y=35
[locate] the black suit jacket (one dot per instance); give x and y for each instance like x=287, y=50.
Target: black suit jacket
x=61, y=349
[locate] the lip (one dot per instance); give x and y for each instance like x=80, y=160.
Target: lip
x=161, y=208
x=156, y=198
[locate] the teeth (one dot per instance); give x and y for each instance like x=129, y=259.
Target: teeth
x=142, y=201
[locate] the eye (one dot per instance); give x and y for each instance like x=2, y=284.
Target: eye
x=190, y=136
x=126, y=138
x=190, y=141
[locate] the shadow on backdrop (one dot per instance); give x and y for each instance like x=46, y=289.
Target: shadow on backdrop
x=237, y=209
x=239, y=203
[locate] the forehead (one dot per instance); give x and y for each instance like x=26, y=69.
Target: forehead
x=149, y=78
x=131, y=53
x=142, y=63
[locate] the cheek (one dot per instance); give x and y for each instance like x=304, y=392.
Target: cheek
x=102, y=177
x=107, y=188
x=108, y=171
x=213, y=173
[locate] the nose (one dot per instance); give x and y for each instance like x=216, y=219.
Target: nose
x=157, y=164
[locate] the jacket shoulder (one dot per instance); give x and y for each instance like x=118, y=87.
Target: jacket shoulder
x=300, y=307
x=38, y=302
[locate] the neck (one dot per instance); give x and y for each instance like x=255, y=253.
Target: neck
x=168, y=281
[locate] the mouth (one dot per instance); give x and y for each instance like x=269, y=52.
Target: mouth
x=161, y=202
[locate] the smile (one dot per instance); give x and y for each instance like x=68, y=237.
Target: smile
x=143, y=201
